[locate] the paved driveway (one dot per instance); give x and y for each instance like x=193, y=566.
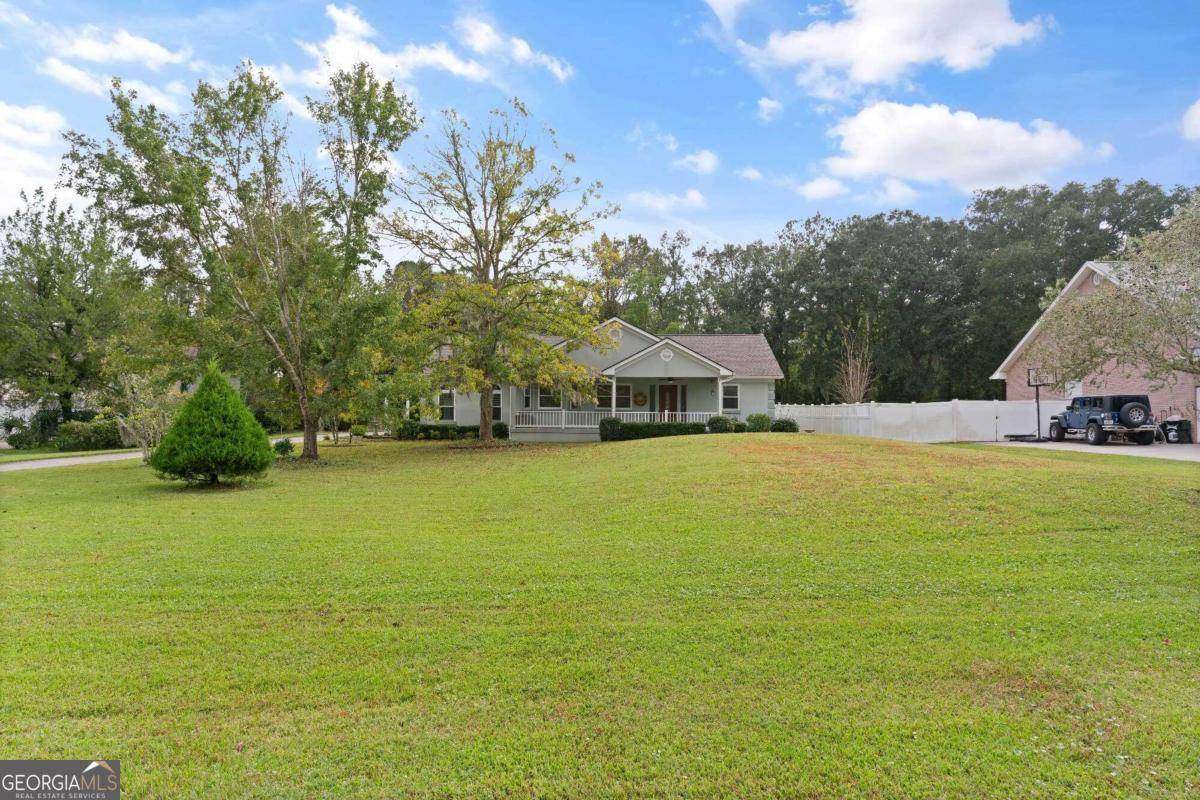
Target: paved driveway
x=1174, y=452
x=69, y=461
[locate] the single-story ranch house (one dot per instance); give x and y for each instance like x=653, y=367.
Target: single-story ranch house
x=644, y=377
x=1181, y=397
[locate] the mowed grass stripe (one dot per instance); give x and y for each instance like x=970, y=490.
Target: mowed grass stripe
x=746, y=614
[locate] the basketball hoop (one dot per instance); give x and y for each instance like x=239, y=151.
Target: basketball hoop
x=1040, y=377
x=1037, y=378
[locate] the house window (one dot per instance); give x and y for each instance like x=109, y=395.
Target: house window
x=730, y=397
x=549, y=398
x=604, y=396
x=446, y=405
x=526, y=398
x=497, y=403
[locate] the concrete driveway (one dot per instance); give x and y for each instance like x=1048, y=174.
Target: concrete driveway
x=1172, y=452
x=74, y=461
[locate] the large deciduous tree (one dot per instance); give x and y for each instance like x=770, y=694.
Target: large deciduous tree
x=1146, y=323
x=221, y=201
x=498, y=221
x=64, y=288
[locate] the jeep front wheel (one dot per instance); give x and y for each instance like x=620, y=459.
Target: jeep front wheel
x=1057, y=434
x=1096, y=434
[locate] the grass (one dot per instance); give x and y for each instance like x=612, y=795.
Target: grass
x=49, y=451
x=751, y=615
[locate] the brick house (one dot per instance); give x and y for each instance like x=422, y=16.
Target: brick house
x=1181, y=397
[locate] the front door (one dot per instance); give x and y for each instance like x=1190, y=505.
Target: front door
x=668, y=398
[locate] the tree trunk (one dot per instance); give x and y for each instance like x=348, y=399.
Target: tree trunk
x=66, y=406
x=485, y=416
x=310, y=433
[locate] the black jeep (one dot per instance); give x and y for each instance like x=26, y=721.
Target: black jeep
x=1125, y=416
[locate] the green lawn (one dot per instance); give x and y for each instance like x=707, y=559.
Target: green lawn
x=742, y=615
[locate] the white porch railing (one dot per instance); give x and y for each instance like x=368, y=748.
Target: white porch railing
x=591, y=419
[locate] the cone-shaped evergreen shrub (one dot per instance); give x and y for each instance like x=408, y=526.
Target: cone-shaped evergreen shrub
x=214, y=436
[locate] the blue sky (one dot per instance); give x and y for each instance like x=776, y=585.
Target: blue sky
x=725, y=118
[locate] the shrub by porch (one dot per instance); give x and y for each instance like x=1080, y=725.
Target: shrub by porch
x=613, y=429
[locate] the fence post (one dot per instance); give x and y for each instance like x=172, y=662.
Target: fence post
x=995, y=420
x=954, y=419
x=912, y=427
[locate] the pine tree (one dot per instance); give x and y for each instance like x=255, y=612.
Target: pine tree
x=214, y=436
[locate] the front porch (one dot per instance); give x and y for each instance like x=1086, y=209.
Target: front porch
x=666, y=382
x=563, y=419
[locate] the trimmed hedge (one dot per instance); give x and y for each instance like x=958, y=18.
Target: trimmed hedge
x=99, y=434
x=739, y=426
x=614, y=430
x=410, y=429
x=785, y=426
x=720, y=424
x=758, y=423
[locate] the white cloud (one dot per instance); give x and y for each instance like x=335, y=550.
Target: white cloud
x=350, y=43
x=821, y=188
x=35, y=126
x=167, y=98
x=749, y=174
x=78, y=79
x=880, y=41
x=24, y=163
x=90, y=44
x=484, y=39
x=894, y=193
x=24, y=169
x=727, y=10
x=768, y=108
x=701, y=162
x=1191, y=122
x=932, y=144
x=645, y=135
x=662, y=203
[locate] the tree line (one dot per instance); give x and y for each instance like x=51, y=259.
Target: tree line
x=936, y=304
x=347, y=287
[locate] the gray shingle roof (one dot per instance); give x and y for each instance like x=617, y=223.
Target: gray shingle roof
x=747, y=354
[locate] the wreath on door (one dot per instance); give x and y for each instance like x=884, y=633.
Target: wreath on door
x=639, y=398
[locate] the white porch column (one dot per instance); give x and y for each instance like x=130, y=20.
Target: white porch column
x=720, y=396
x=613, y=397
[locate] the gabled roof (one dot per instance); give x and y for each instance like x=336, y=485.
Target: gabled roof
x=743, y=355
x=1104, y=269
x=640, y=354
x=559, y=341
x=747, y=355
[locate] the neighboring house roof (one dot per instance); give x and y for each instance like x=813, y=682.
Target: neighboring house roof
x=747, y=355
x=1103, y=269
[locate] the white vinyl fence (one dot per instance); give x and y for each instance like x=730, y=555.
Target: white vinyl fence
x=951, y=421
